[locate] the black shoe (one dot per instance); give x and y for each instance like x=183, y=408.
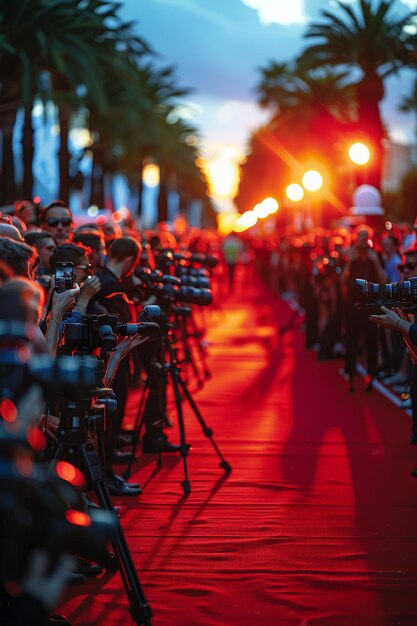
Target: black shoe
x=58, y=620
x=156, y=445
x=75, y=578
x=124, y=439
x=88, y=569
x=120, y=456
x=114, y=476
x=117, y=488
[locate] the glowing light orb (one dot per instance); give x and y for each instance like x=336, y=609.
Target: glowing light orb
x=294, y=192
x=150, y=175
x=359, y=153
x=312, y=180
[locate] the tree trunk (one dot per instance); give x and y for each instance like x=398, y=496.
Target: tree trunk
x=64, y=156
x=163, y=197
x=7, y=180
x=28, y=153
x=139, y=187
x=97, y=183
x=370, y=92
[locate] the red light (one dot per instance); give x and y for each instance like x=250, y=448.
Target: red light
x=24, y=466
x=8, y=410
x=101, y=220
x=36, y=200
x=326, y=261
x=71, y=474
x=36, y=438
x=117, y=217
x=78, y=518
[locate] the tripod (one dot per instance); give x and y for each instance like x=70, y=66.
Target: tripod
x=75, y=446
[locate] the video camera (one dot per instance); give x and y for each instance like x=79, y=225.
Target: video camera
x=101, y=332
x=400, y=294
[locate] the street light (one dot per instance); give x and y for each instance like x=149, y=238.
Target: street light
x=294, y=192
x=359, y=153
x=312, y=180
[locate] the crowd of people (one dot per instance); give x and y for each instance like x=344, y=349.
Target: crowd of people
x=318, y=272
x=56, y=273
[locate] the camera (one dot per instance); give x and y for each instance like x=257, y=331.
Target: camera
x=42, y=508
x=101, y=331
x=19, y=368
x=401, y=294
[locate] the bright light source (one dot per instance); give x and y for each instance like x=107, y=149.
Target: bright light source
x=150, y=175
x=223, y=175
x=295, y=192
x=225, y=222
x=248, y=219
x=271, y=204
x=312, y=180
x=92, y=210
x=261, y=210
x=359, y=153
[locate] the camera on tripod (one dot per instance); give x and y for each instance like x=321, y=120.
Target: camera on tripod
x=101, y=332
x=42, y=508
x=179, y=283
x=400, y=294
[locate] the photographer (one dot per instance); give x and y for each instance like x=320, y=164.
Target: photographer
x=361, y=262
x=396, y=320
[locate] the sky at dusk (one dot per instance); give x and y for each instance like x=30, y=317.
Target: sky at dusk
x=218, y=46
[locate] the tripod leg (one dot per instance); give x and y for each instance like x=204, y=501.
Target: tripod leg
x=206, y=429
x=139, y=608
x=184, y=446
x=136, y=433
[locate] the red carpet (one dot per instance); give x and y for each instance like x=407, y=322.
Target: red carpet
x=317, y=523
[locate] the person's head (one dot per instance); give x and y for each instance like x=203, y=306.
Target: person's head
x=26, y=211
x=7, y=229
x=363, y=234
x=56, y=218
x=408, y=266
x=20, y=257
x=22, y=300
x=94, y=240
x=75, y=254
x=390, y=245
x=44, y=244
x=124, y=255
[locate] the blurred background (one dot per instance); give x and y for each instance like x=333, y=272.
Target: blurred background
x=179, y=108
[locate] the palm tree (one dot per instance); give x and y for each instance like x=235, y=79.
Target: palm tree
x=371, y=40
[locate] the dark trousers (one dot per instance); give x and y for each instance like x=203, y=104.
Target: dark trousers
x=357, y=324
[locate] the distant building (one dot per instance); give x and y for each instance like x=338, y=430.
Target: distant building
x=399, y=159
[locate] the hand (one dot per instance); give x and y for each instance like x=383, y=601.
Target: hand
x=388, y=320
x=89, y=288
x=372, y=256
x=42, y=583
x=63, y=301
x=128, y=343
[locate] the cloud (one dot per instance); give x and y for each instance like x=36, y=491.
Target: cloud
x=411, y=4
x=279, y=11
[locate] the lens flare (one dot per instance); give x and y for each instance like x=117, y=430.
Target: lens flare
x=359, y=153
